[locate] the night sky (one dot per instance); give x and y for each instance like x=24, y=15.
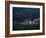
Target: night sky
x=20, y=14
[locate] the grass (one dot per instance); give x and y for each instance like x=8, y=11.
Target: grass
x=26, y=27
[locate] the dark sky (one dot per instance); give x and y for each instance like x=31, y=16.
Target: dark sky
x=20, y=14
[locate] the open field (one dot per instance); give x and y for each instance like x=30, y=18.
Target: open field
x=26, y=27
